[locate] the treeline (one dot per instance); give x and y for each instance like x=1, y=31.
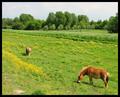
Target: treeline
x=60, y=21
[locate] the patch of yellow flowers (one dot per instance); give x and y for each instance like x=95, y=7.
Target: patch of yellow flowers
x=7, y=43
x=23, y=65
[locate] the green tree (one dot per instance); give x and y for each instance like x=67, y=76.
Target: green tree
x=83, y=18
x=7, y=23
x=33, y=25
x=16, y=19
x=104, y=24
x=18, y=26
x=68, y=20
x=113, y=24
x=43, y=23
x=82, y=25
x=60, y=18
x=74, y=20
x=83, y=21
x=98, y=24
x=92, y=24
x=25, y=18
x=51, y=19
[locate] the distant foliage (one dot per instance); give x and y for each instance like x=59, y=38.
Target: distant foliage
x=7, y=23
x=67, y=27
x=51, y=19
x=52, y=27
x=45, y=27
x=60, y=21
x=18, y=26
x=83, y=21
x=112, y=26
x=60, y=27
x=33, y=25
x=24, y=18
x=69, y=20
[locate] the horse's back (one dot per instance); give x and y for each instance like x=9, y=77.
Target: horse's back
x=97, y=72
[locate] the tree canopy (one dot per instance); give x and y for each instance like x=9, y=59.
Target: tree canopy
x=60, y=21
x=113, y=24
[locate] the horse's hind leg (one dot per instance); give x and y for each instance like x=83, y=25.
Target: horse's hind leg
x=91, y=81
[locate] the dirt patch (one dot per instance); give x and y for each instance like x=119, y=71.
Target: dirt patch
x=18, y=92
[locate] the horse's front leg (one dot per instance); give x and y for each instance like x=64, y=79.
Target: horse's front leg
x=106, y=83
x=91, y=81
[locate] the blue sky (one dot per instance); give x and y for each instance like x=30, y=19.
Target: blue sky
x=40, y=10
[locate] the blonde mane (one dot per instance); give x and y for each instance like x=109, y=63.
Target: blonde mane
x=84, y=68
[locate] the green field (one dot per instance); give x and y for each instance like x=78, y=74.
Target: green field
x=56, y=60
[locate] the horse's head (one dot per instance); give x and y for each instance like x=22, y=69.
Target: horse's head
x=82, y=73
x=80, y=77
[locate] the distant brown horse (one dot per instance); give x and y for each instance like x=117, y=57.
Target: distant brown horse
x=96, y=73
x=28, y=51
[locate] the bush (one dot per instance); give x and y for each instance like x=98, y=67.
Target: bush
x=60, y=27
x=74, y=27
x=18, y=26
x=52, y=27
x=67, y=27
x=33, y=25
x=7, y=27
x=45, y=27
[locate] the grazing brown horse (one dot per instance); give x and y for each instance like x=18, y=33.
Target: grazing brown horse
x=28, y=51
x=96, y=73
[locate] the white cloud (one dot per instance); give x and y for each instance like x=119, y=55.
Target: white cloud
x=94, y=10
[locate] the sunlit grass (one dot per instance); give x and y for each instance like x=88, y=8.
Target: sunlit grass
x=55, y=62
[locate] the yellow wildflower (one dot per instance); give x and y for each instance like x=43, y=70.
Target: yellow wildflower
x=23, y=65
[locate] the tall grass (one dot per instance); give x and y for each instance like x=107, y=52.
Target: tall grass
x=86, y=35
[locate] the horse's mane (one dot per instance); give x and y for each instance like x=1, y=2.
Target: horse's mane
x=84, y=68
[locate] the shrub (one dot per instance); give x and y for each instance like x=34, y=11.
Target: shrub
x=33, y=25
x=52, y=27
x=60, y=27
x=18, y=26
x=45, y=27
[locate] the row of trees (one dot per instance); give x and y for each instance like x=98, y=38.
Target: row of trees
x=59, y=21
x=24, y=21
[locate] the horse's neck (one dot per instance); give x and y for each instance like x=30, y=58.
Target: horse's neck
x=83, y=72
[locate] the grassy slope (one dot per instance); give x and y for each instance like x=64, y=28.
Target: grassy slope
x=59, y=59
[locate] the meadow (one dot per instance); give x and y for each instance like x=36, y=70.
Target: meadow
x=56, y=60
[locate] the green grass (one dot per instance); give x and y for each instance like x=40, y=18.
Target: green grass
x=56, y=60
x=85, y=35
